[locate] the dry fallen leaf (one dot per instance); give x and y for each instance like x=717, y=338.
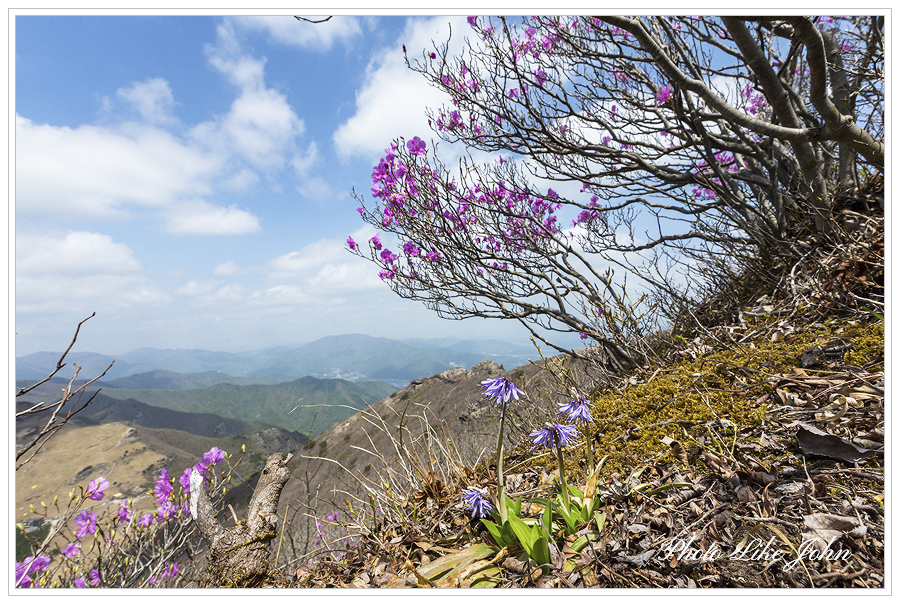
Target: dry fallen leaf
x=816, y=442
x=828, y=528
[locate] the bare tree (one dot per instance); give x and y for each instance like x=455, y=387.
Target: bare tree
x=701, y=146
x=53, y=411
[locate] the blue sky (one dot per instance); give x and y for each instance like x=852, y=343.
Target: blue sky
x=189, y=179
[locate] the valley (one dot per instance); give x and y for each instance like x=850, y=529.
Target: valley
x=145, y=415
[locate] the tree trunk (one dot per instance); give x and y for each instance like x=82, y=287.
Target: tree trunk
x=239, y=556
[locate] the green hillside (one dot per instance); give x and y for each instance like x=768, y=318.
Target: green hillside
x=169, y=380
x=304, y=405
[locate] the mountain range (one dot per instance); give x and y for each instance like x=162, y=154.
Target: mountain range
x=352, y=357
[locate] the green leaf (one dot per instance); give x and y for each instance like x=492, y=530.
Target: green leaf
x=513, y=507
x=541, y=551
x=575, y=491
x=548, y=520
x=527, y=536
x=570, y=519
x=543, y=501
x=497, y=533
x=582, y=541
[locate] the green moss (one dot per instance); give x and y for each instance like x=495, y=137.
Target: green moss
x=868, y=346
x=687, y=400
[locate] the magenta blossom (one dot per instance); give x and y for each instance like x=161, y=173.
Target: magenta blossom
x=86, y=523
x=123, y=513
x=166, y=511
x=185, y=479
x=146, y=520
x=215, y=455
x=163, y=487
x=170, y=571
x=388, y=257
x=96, y=488
x=663, y=95
x=71, y=550
x=28, y=566
x=416, y=146
x=351, y=244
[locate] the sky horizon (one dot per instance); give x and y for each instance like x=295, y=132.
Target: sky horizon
x=189, y=179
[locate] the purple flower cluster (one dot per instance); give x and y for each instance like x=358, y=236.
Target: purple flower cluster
x=526, y=220
x=501, y=390
x=451, y=122
x=477, y=503
x=30, y=565
x=577, y=411
x=93, y=580
x=554, y=436
x=755, y=101
x=588, y=215
x=416, y=146
x=168, y=572
x=726, y=161
x=71, y=550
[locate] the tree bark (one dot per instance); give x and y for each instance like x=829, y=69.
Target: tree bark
x=239, y=556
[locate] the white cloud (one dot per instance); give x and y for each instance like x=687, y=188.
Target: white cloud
x=213, y=295
x=316, y=189
x=312, y=36
x=241, y=181
x=261, y=126
x=62, y=272
x=196, y=288
x=93, y=171
x=226, y=269
x=229, y=58
x=281, y=295
x=76, y=252
x=313, y=187
x=152, y=99
x=301, y=263
x=304, y=163
x=112, y=170
x=393, y=99
x=326, y=267
x=202, y=218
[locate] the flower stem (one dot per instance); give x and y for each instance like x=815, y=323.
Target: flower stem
x=501, y=491
x=564, y=487
x=589, y=445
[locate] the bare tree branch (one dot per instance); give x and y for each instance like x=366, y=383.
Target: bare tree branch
x=311, y=20
x=701, y=145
